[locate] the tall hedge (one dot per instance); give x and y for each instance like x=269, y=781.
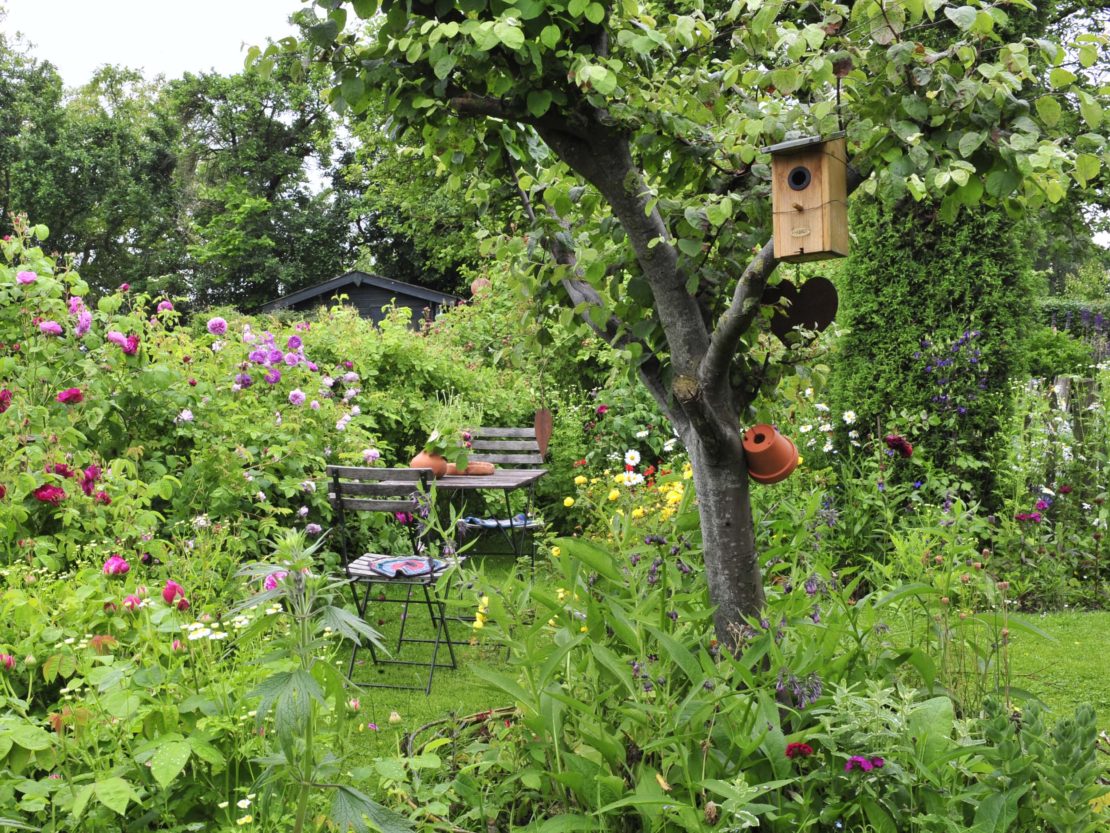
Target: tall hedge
x=936, y=314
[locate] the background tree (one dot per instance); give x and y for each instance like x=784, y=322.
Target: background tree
x=634, y=129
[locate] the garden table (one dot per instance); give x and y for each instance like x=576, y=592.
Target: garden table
x=505, y=481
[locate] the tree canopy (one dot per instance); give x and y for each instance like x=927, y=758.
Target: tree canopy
x=633, y=131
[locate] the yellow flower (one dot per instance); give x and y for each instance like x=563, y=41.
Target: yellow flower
x=801, y=459
x=638, y=512
x=580, y=480
x=247, y=819
x=583, y=629
x=478, y=623
x=568, y=502
x=556, y=552
x=614, y=494
x=674, y=497
x=551, y=622
x=666, y=512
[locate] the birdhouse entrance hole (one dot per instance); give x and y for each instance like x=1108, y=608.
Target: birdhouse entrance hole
x=800, y=178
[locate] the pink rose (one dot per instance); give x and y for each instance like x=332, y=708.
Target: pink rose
x=132, y=602
x=70, y=396
x=116, y=566
x=171, y=591
x=50, y=328
x=26, y=277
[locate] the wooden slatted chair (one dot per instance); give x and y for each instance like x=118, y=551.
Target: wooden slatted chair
x=396, y=492
x=509, y=448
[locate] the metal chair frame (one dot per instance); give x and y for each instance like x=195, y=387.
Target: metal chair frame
x=510, y=448
x=360, y=489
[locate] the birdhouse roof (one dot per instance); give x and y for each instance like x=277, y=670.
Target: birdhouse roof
x=794, y=145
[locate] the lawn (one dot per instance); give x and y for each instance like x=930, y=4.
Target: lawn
x=1072, y=670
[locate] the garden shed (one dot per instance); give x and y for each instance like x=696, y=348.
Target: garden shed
x=368, y=293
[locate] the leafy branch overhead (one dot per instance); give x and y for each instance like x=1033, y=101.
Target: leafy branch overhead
x=940, y=100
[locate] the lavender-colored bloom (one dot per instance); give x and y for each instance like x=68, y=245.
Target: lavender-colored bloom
x=244, y=380
x=50, y=328
x=84, y=323
x=274, y=376
x=164, y=306
x=26, y=277
x=294, y=342
x=313, y=529
x=350, y=378
x=302, y=512
x=296, y=397
x=370, y=455
x=314, y=405
x=275, y=356
x=292, y=359
x=312, y=366
x=217, y=326
x=258, y=356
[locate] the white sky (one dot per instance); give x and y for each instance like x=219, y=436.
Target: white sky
x=166, y=37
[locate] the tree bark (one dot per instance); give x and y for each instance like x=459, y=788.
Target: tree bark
x=732, y=569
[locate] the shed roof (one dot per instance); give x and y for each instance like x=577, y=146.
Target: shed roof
x=358, y=278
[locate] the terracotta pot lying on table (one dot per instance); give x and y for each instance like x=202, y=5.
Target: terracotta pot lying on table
x=473, y=468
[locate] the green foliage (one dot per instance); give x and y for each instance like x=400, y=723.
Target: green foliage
x=912, y=292
x=1051, y=353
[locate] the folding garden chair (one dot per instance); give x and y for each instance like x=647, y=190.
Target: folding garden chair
x=402, y=495
x=514, y=448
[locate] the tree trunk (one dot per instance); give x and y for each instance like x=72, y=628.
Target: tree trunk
x=732, y=568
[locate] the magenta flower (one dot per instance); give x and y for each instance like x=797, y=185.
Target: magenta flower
x=103, y=497
x=862, y=763
x=70, y=396
x=217, y=326
x=602, y=410
x=296, y=397
x=116, y=566
x=171, y=591
x=125, y=287
x=131, y=345
x=50, y=328
x=49, y=494
x=1041, y=505
x=183, y=604
x=116, y=337
x=84, y=323
x=164, y=306
x=274, y=376
x=292, y=359
x=26, y=277
x=294, y=342
x=271, y=581
x=7, y=661
x=177, y=645
x=5, y=400
x=132, y=602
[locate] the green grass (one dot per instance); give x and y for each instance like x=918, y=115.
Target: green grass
x=1073, y=669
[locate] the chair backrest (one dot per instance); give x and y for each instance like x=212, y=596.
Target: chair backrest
x=363, y=489
x=392, y=491
x=514, y=447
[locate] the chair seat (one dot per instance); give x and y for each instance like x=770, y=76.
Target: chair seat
x=515, y=522
x=385, y=567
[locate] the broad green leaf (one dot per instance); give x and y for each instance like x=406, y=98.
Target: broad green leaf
x=595, y=13
x=962, y=16
x=1087, y=166
x=998, y=811
x=509, y=34
x=1060, y=78
x=538, y=102
x=678, y=652
x=115, y=793
x=168, y=761
x=365, y=8
x=1090, y=109
x=350, y=809
x=551, y=35
x=567, y=824
x=880, y=820
x=597, y=558
x=576, y=7
x=970, y=142
x=1049, y=110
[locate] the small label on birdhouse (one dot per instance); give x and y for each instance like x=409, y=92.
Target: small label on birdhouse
x=799, y=232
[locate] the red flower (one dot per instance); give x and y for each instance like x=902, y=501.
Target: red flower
x=899, y=444
x=3, y=491
x=1065, y=490
x=103, y=497
x=70, y=396
x=5, y=400
x=49, y=494
x=602, y=410
x=131, y=345
x=60, y=469
x=798, y=750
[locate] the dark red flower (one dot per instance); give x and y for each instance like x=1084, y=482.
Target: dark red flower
x=899, y=444
x=798, y=750
x=49, y=494
x=1065, y=490
x=602, y=410
x=70, y=396
x=3, y=491
x=5, y=400
x=60, y=469
x=103, y=497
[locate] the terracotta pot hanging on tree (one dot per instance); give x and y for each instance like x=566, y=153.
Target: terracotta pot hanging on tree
x=771, y=456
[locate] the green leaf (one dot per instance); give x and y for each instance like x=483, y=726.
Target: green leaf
x=509, y=34
x=1060, y=77
x=576, y=7
x=880, y=820
x=31, y=738
x=567, y=824
x=350, y=809
x=1002, y=182
x=998, y=811
x=538, y=102
x=115, y=793
x=970, y=142
x=1049, y=110
x=1090, y=109
x=595, y=13
x=963, y=17
x=690, y=248
x=365, y=8
x=1087, y=166
x=324, y=34
x=551, y=35
x=596, y=558
x=168, y=762
x=678, y=652
x=81, y=799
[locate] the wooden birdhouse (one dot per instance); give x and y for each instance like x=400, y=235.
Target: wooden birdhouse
x=809, y=198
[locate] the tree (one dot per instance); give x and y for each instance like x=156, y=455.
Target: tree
x=633, y=130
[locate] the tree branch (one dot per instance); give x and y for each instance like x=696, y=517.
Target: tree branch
x=744, y=307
